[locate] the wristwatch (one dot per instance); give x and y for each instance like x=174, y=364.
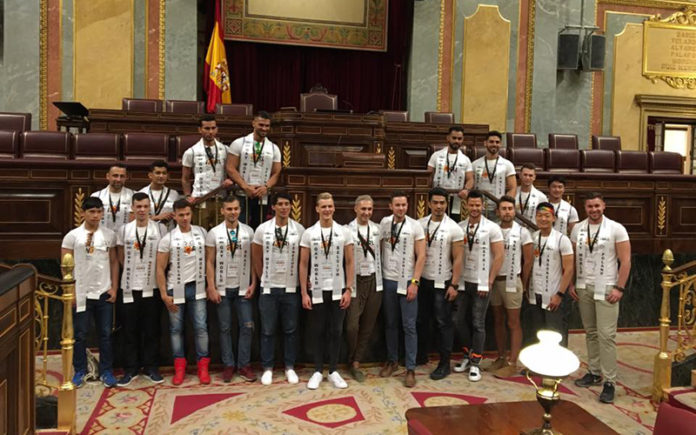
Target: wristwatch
x=350, y=289
x=455, y=286
x=415, y=281
x=619, y=288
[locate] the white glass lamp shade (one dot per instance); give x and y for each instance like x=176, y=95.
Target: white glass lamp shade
x=548, y=358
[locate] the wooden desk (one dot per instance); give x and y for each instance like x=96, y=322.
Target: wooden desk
x=506, y=418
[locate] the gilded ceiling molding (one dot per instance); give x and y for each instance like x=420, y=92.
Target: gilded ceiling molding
x=440, y=54
x=531, y=17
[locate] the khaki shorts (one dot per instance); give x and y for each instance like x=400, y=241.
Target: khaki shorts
x=510, y=300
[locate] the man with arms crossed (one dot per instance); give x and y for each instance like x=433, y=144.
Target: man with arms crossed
x=508, y=288
x=551, y=273
x=438, y=289
x=566, y=214
x=161, y=197
x=329, y=245
x=452, y=171
x=141, y=308
x=483, y=257
x=254, y=164
x=528, y=196
x=116, y=198
x=183, y=288
x=599, y=244
x=276, y=253
x=96, y=283
x=367, y=297
x=403, y=248
x=231, y=283
x=494, y=173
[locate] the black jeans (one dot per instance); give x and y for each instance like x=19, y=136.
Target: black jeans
x=141, y=331
x=554, y=320
x=434, y=309
x=325, y=320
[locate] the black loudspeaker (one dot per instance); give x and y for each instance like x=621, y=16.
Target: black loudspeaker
x=568, y=51
x=593, y=49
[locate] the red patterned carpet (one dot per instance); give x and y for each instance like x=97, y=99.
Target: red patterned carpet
x=375, y=406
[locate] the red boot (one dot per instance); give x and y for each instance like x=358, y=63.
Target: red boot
x=203, y=375
x=179, y=371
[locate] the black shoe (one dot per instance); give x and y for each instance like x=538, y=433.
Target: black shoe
x=607, y=395
x=588, y=380
x=441, y=372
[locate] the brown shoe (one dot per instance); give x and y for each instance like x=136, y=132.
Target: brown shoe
x=247, y=374
x=497, y=364
x=388, y=369
x=508, y=371
x=410, y=379
x=228, y=373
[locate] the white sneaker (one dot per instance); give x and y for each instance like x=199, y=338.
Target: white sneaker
x=292, y=376
x=474, y=374
x=462, y=366
x=315, y=380
x=337, y=380
x=267, y=377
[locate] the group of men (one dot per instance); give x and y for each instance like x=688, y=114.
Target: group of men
x=432, y=273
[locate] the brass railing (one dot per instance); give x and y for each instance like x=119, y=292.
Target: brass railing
x=50, y=288
x=684, y=279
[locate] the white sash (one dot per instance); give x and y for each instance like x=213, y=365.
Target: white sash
x=130, y=251
x=327, y=272
x=259, y=173
x=438, y=254
x=205, y=178
x=456, y=179
x=499, y=179
x=402, y=253
x=562, y=213
x=530, y=201
x=98, y=257
x=176, y=252
x=542, y=282
x=272, y=256
x=596, y=259
x=483, y=245
x=359, y=256
x=224, y=261
x=124, y=208
x=513, y=251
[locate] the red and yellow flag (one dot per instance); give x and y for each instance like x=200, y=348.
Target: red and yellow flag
x=216, y=75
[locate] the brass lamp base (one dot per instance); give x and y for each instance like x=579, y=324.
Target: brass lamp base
x=547, y=396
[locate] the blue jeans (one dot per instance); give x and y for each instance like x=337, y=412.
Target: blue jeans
x=395, y=306
x=197, y=312
x=471, y=320
x=245, y=320
x=270, y=305
x=103, y=313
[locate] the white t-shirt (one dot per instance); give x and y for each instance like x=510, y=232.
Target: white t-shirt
x=526, y=202
x=449, y=169
x=326, y=268
x=139, y=266
x=398, y=252
x=551, y=271
x=242, y=236
x=92, y=265
x=208, y=171
x=188, y=259
x=255, y=172
x=525, y=239
x=498, y=170
x=565, y=214
x=484, y=233
x=365, y=262
x=439, y=237
x=161, y=201
x=610, y=234
x=117, y=207
x=280, y=263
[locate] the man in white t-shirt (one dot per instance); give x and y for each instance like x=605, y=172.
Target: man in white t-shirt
x=566, y=214
x=483, y=258
x=182, y=250
x=600, y=243
x=326, y=247
x=528, y=196
x=367, y=297
x=139, y=305
x=403, y=249
x=508, y=289
x=203, y=170
x=440, y=280
x=276, y=253
x=494, y=174
x=254, y=164
x=452, y=171
x=161, y=197
x=116, y=198
x=96, y=282
x=551, y=274
x=231, y=285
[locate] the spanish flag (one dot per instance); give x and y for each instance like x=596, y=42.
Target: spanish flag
x=216, y=75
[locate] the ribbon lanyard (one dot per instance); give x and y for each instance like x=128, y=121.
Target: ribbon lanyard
x=451, y=167
x=592, y=241
x=394, y=235
x=365, y=243
x=280, y=237
x=141, y=243
x=258, y=151
x=326, y=246
x=114, y=209
x=556, y=209
x=431, y=237
x=471, y=237
x=89, y=243
x=211, y=160
x=491, y=175
x=159, y=204
x=526, y=202
x=232, y=240
x=541, y=248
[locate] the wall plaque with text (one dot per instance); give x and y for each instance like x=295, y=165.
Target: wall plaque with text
x=669, y=49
